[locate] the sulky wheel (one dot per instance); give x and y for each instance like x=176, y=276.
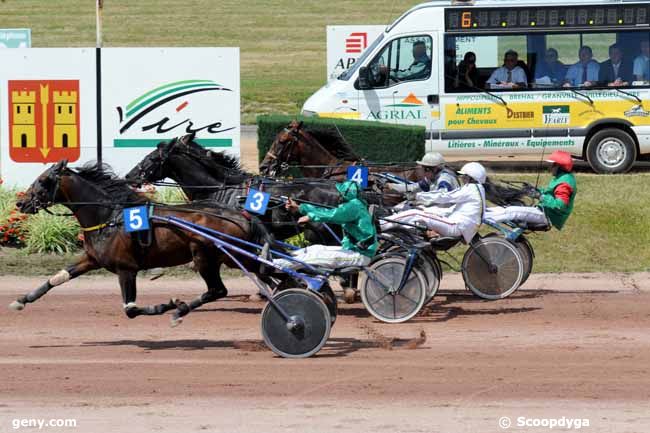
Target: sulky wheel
x=527, y=256
x=492, y=268
x=308, y=330
x=381, y=295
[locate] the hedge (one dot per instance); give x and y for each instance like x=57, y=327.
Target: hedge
x=374, y=141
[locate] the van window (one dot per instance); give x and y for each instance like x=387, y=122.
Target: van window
x=542, y=61
x=403, y=59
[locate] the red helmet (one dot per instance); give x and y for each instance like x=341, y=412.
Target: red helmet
x=561, y=158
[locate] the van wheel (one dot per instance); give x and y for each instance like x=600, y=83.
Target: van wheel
x=611, y=151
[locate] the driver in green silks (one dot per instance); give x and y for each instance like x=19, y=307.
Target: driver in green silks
x=359, y=243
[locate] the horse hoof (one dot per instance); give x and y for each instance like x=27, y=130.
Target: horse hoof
x=255, y=298
x=350, y=296
x=17, y=306
x=176, y=321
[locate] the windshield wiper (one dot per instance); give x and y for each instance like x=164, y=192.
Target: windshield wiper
x=631, y=95
x=591, y=101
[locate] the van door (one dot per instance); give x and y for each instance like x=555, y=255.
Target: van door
x=404, y=82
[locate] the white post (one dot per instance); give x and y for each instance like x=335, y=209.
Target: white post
x=99, y=13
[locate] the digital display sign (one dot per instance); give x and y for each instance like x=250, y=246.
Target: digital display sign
x=623, y=16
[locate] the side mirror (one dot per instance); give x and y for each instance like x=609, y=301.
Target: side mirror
x=364, y=78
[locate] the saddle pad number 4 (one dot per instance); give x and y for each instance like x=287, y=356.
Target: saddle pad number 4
x=359, y=175
x=136, y=219
x=257, y=201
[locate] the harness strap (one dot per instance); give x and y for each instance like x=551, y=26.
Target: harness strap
x=94, y=228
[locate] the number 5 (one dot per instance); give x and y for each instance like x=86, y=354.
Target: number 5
x=135, y=220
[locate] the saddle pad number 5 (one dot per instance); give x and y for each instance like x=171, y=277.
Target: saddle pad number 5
x=358, y=174
x=136, y=219
x=257, y=201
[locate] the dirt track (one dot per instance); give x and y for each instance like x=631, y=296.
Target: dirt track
x=569, y=346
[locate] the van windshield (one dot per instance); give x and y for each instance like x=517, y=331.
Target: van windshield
x=345, y=76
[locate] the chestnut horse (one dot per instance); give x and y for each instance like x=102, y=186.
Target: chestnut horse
x=96, y=197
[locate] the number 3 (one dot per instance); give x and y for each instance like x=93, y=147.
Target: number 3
x=257, y=202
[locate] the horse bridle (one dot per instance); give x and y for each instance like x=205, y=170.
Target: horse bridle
x=286, y=148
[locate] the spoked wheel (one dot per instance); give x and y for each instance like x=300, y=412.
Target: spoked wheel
x=329, y=298
x=433, y=273
x=493, y=268
x=309, y=327
x=381, y=295
x=527, y=257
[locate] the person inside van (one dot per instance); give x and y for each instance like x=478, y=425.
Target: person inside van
x=419, y=69
x=642, y=62
x=510, y=75
x=467, y=74
x=551, y=70
x=585, y=72
x=434, y=175
x=616, y=71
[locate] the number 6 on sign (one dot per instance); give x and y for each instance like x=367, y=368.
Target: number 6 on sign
x=358, y=174
x=136, y=219
x=257, y=201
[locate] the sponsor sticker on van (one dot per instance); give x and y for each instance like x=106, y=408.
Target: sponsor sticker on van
x=556, y=115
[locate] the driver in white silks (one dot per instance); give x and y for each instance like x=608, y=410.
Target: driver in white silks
x=462, y=219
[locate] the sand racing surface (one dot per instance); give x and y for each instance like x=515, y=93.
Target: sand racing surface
x=564, y=346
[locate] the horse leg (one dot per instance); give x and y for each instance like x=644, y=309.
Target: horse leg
x=209, y=267
x=128, y=287
x=84, y=265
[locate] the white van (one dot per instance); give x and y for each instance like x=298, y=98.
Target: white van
x=498, y=77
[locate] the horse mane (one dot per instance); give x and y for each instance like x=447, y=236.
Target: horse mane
x=102, y=176
x=335, y=144
x=215, y=160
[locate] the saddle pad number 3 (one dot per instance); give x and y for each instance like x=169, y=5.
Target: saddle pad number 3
x=136, y=219
x=257, y=201
x=359, y=175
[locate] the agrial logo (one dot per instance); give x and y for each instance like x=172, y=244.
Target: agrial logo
x=43, y=120
x=410, y=108
x=173, y=109
x=555, y=115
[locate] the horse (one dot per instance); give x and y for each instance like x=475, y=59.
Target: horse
x=96, y=197
x=216, y=178
x=320, y=154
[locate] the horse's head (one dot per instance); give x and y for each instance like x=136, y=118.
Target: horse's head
x=154, y=166
x=285, y=149
x=45, y=191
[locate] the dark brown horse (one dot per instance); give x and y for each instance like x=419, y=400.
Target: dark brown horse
x=97, y=198
x=320, y=155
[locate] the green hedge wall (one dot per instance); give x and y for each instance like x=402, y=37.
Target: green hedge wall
x=374, y=141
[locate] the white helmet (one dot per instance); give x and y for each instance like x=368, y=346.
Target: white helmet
x=431, y=159
x=474, y=170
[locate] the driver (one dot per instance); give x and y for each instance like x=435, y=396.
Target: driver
x=360, y=236
x=463, y=219
x=420, y=68
x=555, y=201
x=434, y=175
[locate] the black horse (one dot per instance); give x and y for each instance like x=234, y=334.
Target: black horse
x=216, y=178
x=96, y=197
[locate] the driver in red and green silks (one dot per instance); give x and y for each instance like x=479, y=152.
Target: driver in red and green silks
x=555, y=201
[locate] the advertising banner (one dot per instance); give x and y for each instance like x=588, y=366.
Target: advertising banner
x=345, y=44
